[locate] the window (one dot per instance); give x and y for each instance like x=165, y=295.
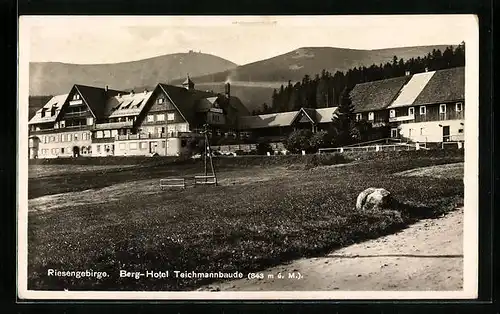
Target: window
x=410, y=132
x=98, y=134
x=160, y=117
x=160, y=100
x=62, y=124
x=392, y=113
x=58, y=138
x=76, y=96
x=170, y=116
x=114, y=133
x=98, y=148
x=133, y=146
x=358, y=116
x=42, y=113
x=84, y=136
x=423, y=110
x=460, y=130
x=68, y=137
x=371, y=116
x=183, y=143
x=144, y=145
x=122, y=146
x=394, y=132
x=90, y=121
x=458, y=107
x=76, y=136
x=421, y=131
x=411, y=111
x=162, y=144
x=442, y=108
x=107, y=133
x=62, y=150
x=151, y=118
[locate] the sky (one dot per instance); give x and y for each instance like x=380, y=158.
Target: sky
x=240, y=39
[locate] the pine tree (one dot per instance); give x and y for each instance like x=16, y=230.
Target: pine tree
x=343, y=127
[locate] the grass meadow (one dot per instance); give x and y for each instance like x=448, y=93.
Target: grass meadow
x=266, y=211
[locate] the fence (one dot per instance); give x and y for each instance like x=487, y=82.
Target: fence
x=371, y=148
x=202, y=180
x=172, y=183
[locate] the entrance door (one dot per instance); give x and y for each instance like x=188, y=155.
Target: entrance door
x=76, y=151
x=394, y=133
x=153, y=147
x=446, y=133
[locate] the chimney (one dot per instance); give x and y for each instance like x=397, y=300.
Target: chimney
x=228, y=90
x=145, y=91
x=106, y=88
x=132, y=93
x=119, y=95
x=407, y=73
x=426, y=69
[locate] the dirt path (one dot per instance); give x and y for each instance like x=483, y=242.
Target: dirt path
x=426, y=256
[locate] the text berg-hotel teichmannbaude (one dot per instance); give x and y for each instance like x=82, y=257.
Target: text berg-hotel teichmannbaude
x=179, y=274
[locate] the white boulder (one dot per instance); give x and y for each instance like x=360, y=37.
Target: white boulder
x=373, y=199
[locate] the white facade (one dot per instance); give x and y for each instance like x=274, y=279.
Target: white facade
x=432, y=132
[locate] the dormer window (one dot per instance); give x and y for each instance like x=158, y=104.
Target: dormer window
x=371, y=116
x=411, y=111
x=392, y=113
x=422, y=110
x=358, y=116
x=458, y=107
x=160, y=101
x=42, y=113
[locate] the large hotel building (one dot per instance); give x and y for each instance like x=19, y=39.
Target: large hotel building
x=94, y=121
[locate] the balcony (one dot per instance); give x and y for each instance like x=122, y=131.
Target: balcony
x=75, y=102
x=150, y=136
x=114, y=125
x=402, y=118
x=75, y=114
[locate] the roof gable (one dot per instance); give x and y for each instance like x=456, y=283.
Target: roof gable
x=185, y=101
x=445, y=86
x=96, y=98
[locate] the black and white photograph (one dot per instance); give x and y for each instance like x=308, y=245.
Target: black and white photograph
x=248, y=157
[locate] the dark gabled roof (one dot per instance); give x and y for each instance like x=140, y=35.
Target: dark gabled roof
x=236, y=103
x=376, y=95
x=185, y=100
x=444, y=86
x=96, y=98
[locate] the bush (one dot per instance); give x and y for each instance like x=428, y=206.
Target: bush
x=298, y=141
x=319, y=140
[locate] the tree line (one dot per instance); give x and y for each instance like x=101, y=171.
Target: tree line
x=325, y=89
